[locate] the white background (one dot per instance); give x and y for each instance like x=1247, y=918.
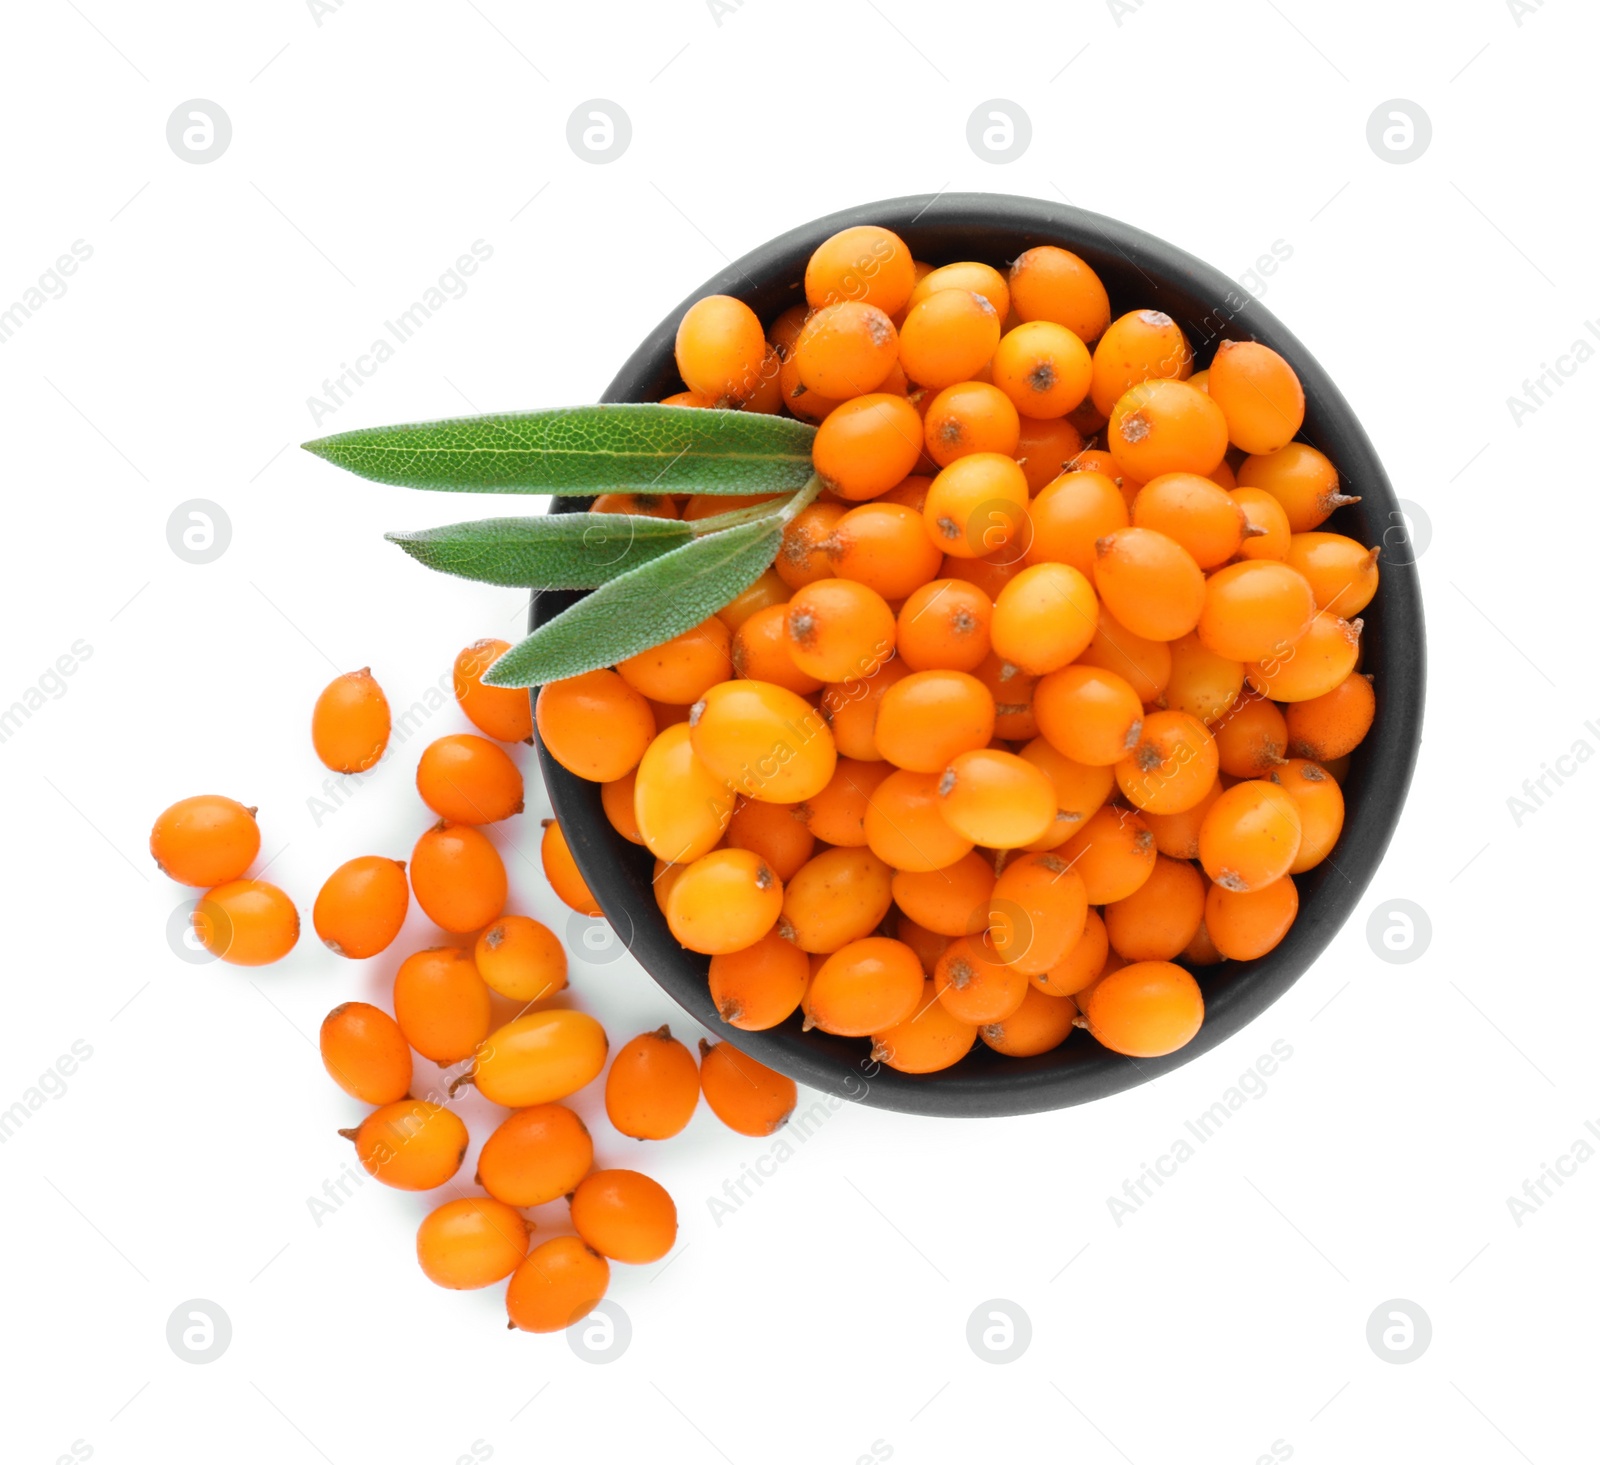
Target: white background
x=828, y=1314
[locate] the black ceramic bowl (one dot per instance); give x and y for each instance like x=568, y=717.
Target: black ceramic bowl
x=1139, y=272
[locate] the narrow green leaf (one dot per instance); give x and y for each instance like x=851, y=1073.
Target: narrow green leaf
x=643, y=607
x=549, y=552
x=621, y=447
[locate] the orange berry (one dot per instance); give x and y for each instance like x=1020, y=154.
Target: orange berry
x=944, y=625
x=1252, y=737
x=1142, y=346
x=1113, y=854
x=410, y=1144
x=458, y=877
x=1331, y=726
x=974, y=985
x=1070, y=514
x=1145, y=1010
x=1149, y=583
x=469, y=780
x=925, y=719
x=505, y=713
x=1259, y=394
x=770, y=589
x=803, y=551
x=557, y=1285
x=931, y=1039
x=1043, y=368
x=652, y=1089
x=1178, y=835
x=977, y=505
x=362, y=906
x=996, y=799
x=970, y=417
x=441, y=1004
x=864, y=987
x=1302, y=480
x=1157, y=922
x=1013, y=691
x=1081, y=788
x=773, y=831
x=1251, y=836
x=679, y=671
x=760, y=986
x=865, y=263
x=1313, y=664
x=1266, y=533
x=905, y=828
x=1243, y=925
x=850, y=709
x=1053, y=284
x=845, y=350
x=246, y=922
x=745, y=1095
x=1193, y=512
x=838, y=896
x=561, y=870
x=1037, y=912
x=1321, y=803
x=594, y=725
x=799, y=399
x=724, y=901
x=1160, y=427
x=1202, y=950
x=1202, y=683
x=1080, y=968
x=981, y=279
x=912, y=491
x=720, y=349
x=616, y=799
x=1041, y=1024
x=837, y=815
x=1044, y=448
x=204, y=841
x=867, y=445
x=365, y=1053
x=953, y=901
x=1343, y=576
x=645, y=505
x=712, y=505
x=1145, y=664
x=1090, y=715
x=1044, y=618
x=1172, y=766
x=928, y=945
x=839, y=629
x=988, y=572
x=761, y=652
x=521, y=958
x=884, y=547
x=539, y=1058
x=948, y=338
x=766, y=741
x=471, y=1242
x=681, y=806
x=624, y=1215
x=1255, y=609
x=535, y=1155
x=350, y=723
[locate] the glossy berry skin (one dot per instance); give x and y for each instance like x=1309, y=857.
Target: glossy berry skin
x=1044, y=617
x=867, y=445
x=1113, y=854
x=1251, y=836
x=776, y=832
x=865, y=263
x=557, y=1285
x=594, y=725
x=652, y=1089
x=247, y=923
x=720, y=349
x=905, y=828
x=469, y=780
x=1312, y=665
x=471, y=1242
x=1171, y=767
x=458, y=877
x=977, y=505
x=1342, y=572
x=981, y=279
x=948, y=338
x=724, y=901
x=760, y=986
x=521, y=958
x=1080, y=968
x=1070, y=514
x=1149, y=582
x=766, y=741
x=679, y=670
x=1244, y=925
x=625, y=1216
x=863, y=987
x=839, y=629
x=539, y=1058
x=1332, y=725
x=205, y=841
x=1037, y=909
x=884, y=547
x=410, y=1144
x=930, y=1040
x=944, y=625
x=682, y=808
x=1043, y=368
x=970, y=417
x=505, y=713
x=996, y=799
x=953, y=901
x=350, y=723
x=1259, y=394
x=1302, y=479
x=1089, y=715
x=838, y=896
x=1045, y=446
x=745, y=1095
x=1041, y=1024
x=442, y=1004
x=846, y=350
x=561, y=870
x=1140, y=346
x=930, y=716
x=537, y=1154
x=362, y=906
x=365, y=1053
x=974, y=985
x=1255, y=609
x=1146, y=1009
x=1049, y=283
x=1157, y=922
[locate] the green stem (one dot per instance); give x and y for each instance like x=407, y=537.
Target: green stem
x=786, y=511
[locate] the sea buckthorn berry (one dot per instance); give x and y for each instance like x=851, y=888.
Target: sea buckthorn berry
x=471, y=1242
x=865, y=263
x=1178, y=835
x=931, y=1039
x=350, y=723
x=1302, y=480
x=944, y=625
x=720, y=348
x=539, y=1058
x=839, y=629
x=724, y=901
x=1258, y=393
x=1243, y=925
x=978, y=505
x=1252, y=737
x=1037, y=912
x=624, y=1215
x=1144, y=345
x=989, y=572
x=846, y=350
x=1202, y=683
x=837, y=815
x=1331, y=726
x=1251, y=836
x=798, y=398
x=1053, y=284
x=953, y=901
x=204, y=841
x=1321, y=804
x=1255, y=609
x=246, y=922
x=1202, y=950
x=776, y=832
x=1193, y=512
x=1081, y=788
x=688, y=399
x=865, y=987
x=681, y=670
x=469, y=780
x=505, y=713
x=362, y=906
x=535, y=1155
x=1171, y=767
x=996, y=799
x=745, y=1095
x=561, y=870
x=1312, y=665
x=759, y=987
x=1157, y=922
x=803, y=551
x=1044, y=618
x=928, y=717
x=616, y=799
x=1041, y=1024
x=850, y=709
x=365, y=1053
x=1012, y=690
x=410, y=1144
x=974, y=985
x=1070, y=514
x=970, y=417
x=1146, y=1009
x=1043, y=368
x=681, y=806
x=653, y=1087
x=912, y=491
x=1150, y=583
x=1044, y=448
x=713, y=505
x=837, y=897
x=1145, y=664
x=521, y=958
x=458, y=877
x=768, y=742
x=557, y=1285
x=770, y=589
x=441, y=1004
x=1160, y=427
x=884, y=547
x=968, y=274
x=1081, y=966
x=1088, y=714
x=1113, y=854
x=644, y=505
x=948, y=338
x=905, y=828
x=928, y=945
x=761, y=652
x=594, y=725
x=1266, y=533
x=1342, y=574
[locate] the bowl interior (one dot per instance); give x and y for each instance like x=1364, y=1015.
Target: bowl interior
x=1140, y=272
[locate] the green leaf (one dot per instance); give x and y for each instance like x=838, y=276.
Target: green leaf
x=549, y=552
x=620, y=447
x=642, y=608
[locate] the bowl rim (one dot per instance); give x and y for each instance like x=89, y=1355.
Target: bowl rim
x=1393, y=647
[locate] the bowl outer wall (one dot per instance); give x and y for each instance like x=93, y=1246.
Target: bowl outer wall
x=1140, y=272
